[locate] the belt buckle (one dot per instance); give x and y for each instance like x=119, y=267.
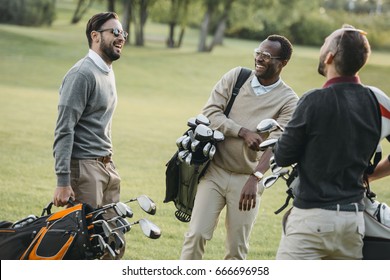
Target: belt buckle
x=105, y=159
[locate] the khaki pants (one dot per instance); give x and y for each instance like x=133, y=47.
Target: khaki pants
x=315, y=234
x=96, y=184
x=216, y=190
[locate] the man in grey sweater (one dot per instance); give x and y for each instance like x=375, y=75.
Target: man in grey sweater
x=82, y=145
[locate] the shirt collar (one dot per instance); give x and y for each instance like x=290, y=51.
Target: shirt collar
x=260, y=89
x=99, y=61
x=338, y=80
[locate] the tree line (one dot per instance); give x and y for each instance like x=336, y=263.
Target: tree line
x=304, y=22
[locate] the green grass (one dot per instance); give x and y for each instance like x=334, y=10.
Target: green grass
x=159, y=89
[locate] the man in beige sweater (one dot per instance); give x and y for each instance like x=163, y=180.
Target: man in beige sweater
x=233, y=177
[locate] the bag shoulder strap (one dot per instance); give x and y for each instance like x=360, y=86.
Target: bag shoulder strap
x=242, y=77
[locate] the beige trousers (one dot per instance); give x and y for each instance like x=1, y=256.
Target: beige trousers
x=217, y=189
x=96, y=184
x=315, y=234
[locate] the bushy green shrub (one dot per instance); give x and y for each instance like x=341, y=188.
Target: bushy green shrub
x=311, y=29
x=27, y=12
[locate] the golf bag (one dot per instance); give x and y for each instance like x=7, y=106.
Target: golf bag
x=61, y=235
x=377, y=235
x=196, y=149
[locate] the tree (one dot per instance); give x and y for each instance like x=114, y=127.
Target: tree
x=136, y=12
x=178, y=15
x=81, y=8
x=212, y=12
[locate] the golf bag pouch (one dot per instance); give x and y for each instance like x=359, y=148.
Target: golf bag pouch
x=189, y=176
x=172, y=178
x=61, y=235
x=376, y=241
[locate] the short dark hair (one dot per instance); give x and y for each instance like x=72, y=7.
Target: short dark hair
x=352, y=50
x=96, y=22
x=286, y=46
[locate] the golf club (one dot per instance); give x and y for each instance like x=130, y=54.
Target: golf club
x=268, y=125
x=149, y=229
x=182, y=155
x=202, y=119
x=146, y=204
x=212, y=151
x=267, y=143
x=218, y=136
x=203, y=133
x=192, y=122
x=206, y=149
x=180, y=140
x=123, y=210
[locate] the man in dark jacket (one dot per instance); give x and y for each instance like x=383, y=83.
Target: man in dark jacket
x=332, y=136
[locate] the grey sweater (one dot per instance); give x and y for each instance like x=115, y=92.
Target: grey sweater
x=86, y=105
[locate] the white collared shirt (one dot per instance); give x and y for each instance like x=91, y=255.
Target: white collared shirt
x=259, y=89
x=99, y=61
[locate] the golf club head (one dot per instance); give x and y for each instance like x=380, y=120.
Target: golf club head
x=188, y=159
x=202, y=119
x=268, y=125
x=150, y=229
x=218, y=136
x=284, y=171
x=203, y=133
x=105, y=227
x=212, y=151
x=147, y=204
x=123, y=225
x=117, y=240
x=182, y=155
x=180, y=140
x=192, y=122
x=270, y=180
x=267, y=143
x=206, y=149
x=100, y=243
x=123, y=210
x=186, y=142
x=195, y=145
x=110, y=251
x=275, y=169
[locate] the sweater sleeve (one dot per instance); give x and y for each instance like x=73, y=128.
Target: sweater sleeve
x=217, y=103
x=72, y=101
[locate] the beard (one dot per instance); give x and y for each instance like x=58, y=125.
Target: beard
x=322, y=65
x=109, y=51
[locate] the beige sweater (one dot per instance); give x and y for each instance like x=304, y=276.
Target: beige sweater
x=247, y=111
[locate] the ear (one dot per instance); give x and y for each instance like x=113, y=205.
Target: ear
x=329, y=58
x=95, y=36
x=284, y=62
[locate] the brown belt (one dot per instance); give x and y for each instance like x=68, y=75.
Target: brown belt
x=105, y=160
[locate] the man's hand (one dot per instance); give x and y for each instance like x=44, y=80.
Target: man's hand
x=248, y=194
x=252, y=139
x=62, y=196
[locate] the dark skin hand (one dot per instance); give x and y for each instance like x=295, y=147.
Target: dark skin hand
x=252, y=139
x=249, y=191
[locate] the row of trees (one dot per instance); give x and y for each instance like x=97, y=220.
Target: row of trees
x=302, y=21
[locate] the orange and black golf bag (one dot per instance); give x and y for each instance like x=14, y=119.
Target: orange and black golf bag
x=61, y=235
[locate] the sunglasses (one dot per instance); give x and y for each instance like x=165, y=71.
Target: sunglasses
x=266, y=56
x=116, y=32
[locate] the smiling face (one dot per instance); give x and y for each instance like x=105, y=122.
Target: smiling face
x=106, y=44
x=268, y=72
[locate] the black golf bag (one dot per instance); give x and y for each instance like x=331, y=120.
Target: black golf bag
x=182, y=183
x=61, y=235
